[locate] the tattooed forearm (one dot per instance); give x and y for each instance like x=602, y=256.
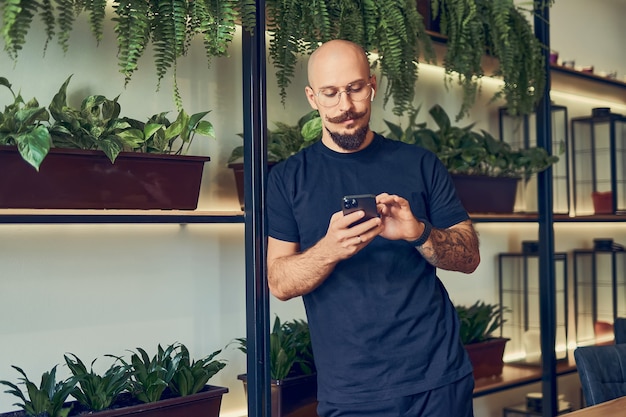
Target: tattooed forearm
x=453, y=249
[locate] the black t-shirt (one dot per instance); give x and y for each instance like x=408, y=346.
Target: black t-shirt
x=382, y=322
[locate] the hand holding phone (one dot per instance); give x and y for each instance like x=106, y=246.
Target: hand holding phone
x=365, y=202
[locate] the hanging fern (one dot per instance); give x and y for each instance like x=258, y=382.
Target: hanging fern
x=220, y=27
x=133, y=33
x=393, y=28
x=497, y=27
x=17, y=16
x=247, y=15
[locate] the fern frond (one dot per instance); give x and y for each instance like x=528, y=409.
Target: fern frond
x=221, y=28
x=65, y=22
x=47, y=17
x=132, y=26
x=96, y=17
x=247, y=14
x=17, y=16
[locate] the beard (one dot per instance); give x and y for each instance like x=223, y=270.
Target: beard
x=348, y=141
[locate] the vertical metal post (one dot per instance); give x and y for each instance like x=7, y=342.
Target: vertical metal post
x=547, y=287
x=255, y=172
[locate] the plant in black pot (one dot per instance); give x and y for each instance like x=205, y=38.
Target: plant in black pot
x=167, y=384
x=485, y=171
x=91, y=157
x=479, y=322
x=292, y=369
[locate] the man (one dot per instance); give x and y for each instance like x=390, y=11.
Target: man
x=383, y=329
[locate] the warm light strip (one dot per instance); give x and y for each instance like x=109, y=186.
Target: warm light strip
x=587, y=100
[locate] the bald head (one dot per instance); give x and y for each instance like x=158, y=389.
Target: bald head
x=333, y=57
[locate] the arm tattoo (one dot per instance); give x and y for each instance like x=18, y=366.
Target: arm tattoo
x=453, y=249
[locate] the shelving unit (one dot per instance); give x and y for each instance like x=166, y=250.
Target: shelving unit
x=117, y=216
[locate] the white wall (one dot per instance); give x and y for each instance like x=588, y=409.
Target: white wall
x=97, y=289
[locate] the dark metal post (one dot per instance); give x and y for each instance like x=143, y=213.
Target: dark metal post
x=255, y=172
x=547, y=287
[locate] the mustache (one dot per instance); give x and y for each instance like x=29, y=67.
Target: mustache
x=349, y=115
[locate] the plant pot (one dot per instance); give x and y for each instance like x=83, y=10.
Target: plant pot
x=602, y=202
x=486, y=357
x=79, y=179
x=237, y=168
x=483, y=194
x=292, y=396
x=206, y=403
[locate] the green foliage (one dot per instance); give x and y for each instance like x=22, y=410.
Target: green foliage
x=192, y=375
x=150, y=376
x=392, y=28
x=21, y=124
x=464, y=151
x=499, y=28
x=47, y=399
x=286, y=139
x=96, y=125
x=291, y=353
x=479, y=321
x=97, y=392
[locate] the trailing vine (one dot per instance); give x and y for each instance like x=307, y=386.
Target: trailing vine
x=500, y=28
x=392, y=28
x=392, y=31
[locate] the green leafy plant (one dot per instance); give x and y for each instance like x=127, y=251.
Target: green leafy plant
x=150, y=376
x=394, y=29
x=291, y=353
x=46, y=400
x=479, y=321
x=97, y=392
x=465, y=151
x=22, y=125
x=169, y=26
x=287, y=139
x=192, y=375
x=501, y=29
x=96, y=125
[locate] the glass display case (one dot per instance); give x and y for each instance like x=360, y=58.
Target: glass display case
x=599, y=290
x=520, y=132
x=599, y=163
x=519, y=294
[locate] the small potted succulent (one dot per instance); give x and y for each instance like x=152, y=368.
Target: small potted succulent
x=168, y=384
x=292, y=369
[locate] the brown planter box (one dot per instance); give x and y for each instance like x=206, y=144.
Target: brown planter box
x=292, y=396
x=237, y=168
x=206, y=403
x=78, y=179
x=483, y=194
x=486, y=357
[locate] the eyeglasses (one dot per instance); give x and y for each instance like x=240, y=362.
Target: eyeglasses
x=330, y=96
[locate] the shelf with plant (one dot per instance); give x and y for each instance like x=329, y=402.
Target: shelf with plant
x=90, y=138
x=170, y=378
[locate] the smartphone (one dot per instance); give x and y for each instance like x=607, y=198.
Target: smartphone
x=365, y=202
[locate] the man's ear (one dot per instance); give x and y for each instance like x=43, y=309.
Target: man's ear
x=310, y=95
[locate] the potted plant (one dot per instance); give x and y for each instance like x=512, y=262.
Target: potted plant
x=282, y=142
x=485, y=171
x=91, y=157
x=292, y=369
x=478, y=324
x=168, y=384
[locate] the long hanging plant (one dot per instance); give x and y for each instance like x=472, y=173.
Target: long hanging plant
x=169, y=25
x=392, y=28
x=501, y=29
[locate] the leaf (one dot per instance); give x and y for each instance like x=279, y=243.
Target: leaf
x=34, y=145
